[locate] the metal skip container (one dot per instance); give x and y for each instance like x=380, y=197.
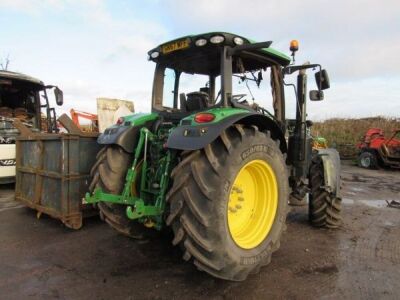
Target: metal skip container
x=53, y=171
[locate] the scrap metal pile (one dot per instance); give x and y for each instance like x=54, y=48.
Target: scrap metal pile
x=7, y=116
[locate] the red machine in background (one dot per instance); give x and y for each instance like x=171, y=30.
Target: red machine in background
x=375, y=150
x=92, y=127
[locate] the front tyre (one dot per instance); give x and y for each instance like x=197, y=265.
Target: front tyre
x=324, y=207
x=228, y=203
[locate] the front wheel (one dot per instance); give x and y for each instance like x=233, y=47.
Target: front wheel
x=324, y=207
x=228, y=203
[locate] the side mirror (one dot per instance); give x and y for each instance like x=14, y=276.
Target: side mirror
x=58, y=94
x=316, y=95
x=322, y=80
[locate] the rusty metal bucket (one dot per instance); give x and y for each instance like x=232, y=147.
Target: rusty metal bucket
x=53, y=171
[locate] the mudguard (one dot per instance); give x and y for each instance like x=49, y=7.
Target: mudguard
x=127, y=135
x=193, y=137
x=331, y=161
x=124, y=136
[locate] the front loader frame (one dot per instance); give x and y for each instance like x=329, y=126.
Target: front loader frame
x=137, y=208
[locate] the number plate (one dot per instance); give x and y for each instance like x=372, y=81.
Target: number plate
x=171, y=47
x=7, y=162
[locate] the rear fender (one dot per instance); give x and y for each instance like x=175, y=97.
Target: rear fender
x=331, y=162
x=123, y=136
x=194, y=137
x=127, y=135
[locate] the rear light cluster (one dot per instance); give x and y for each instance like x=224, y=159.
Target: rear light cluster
x=204, y=117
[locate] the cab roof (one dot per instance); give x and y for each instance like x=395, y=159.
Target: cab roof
x=8, y=75
x=183, y=54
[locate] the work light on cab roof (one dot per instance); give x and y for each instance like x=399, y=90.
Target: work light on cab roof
x=217, y=39
x=201, y=42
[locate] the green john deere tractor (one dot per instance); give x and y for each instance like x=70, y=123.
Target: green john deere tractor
x=212, y=164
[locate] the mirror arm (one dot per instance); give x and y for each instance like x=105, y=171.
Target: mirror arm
x=291, y=69
x=246, y=47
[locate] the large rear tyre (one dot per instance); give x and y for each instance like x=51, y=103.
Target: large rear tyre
x=109, y=173
x=228, y=203
x=324, y=208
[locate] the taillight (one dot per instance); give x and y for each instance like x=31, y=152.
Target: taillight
x=120, y=121
x=204, y=117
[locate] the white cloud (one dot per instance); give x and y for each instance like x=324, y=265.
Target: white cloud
x=94, y=52
x=366, y=98
x=356, y=39
x=33, y=7
x=106, y=57
x=82, y=96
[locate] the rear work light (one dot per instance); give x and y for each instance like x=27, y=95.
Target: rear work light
x=238, y=41
x=200, y=42
x=204, y=117
x=154, y=54
x=217, y=39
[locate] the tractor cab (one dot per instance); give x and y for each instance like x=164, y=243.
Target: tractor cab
x=195, y=73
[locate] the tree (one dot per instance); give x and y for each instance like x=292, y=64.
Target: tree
x=4, y=64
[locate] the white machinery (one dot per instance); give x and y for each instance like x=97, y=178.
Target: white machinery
x=23, y=98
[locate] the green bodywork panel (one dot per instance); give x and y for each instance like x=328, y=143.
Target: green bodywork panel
x=220, y=114
x=147, y=203
x=268, y=51
x=140, y=119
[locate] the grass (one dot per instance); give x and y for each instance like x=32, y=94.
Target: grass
x=344, y=134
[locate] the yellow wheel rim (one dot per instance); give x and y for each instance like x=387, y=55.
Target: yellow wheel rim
x=253, y=202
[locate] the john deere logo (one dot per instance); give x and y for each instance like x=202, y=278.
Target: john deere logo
x=7, y=162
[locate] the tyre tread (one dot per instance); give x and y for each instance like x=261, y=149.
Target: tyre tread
x=324, y=208
x=191, y=224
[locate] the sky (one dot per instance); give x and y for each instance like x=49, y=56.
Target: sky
x=98, y=48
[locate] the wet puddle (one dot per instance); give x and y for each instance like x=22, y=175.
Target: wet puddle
x=371, y=203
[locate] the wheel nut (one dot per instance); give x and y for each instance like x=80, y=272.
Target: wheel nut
x=241, y=199
x=232, y=210
x=238, y=206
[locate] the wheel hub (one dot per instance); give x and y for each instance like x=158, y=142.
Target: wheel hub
x=253, y=203
x=365, y=162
